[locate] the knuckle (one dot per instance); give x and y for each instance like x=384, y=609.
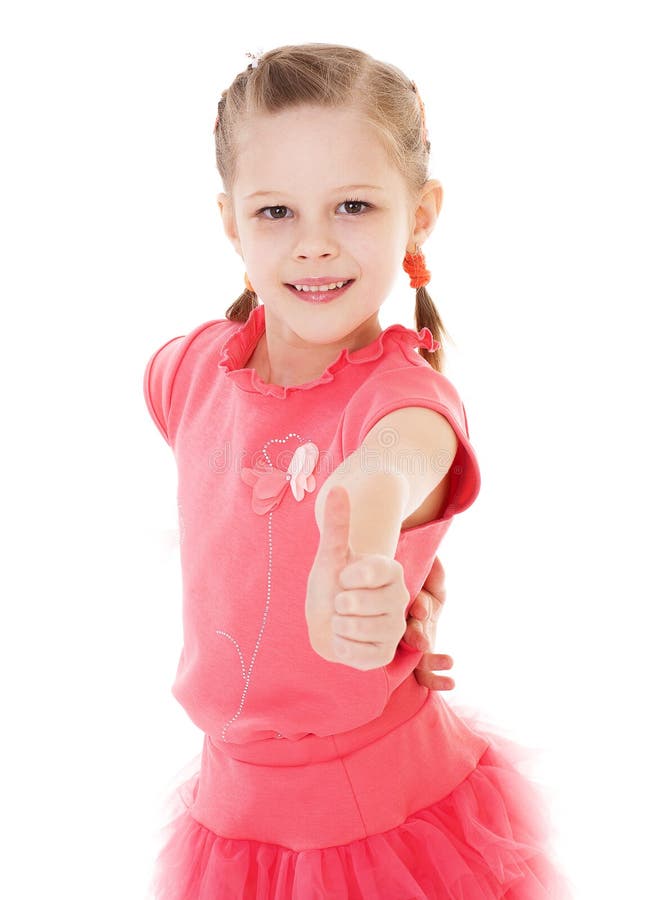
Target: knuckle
x=345, y=602
x=344, y=626
x=366, y=572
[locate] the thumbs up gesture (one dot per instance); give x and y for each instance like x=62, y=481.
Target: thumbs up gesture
x=355, y=602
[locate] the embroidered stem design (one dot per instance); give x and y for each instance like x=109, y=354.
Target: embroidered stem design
x=269, y=486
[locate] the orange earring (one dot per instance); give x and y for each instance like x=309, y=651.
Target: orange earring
x=415, y=265
x=248, y=285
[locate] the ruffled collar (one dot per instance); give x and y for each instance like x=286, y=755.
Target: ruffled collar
x=239, y=346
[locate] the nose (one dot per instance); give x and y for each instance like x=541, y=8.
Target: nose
x=327, y=254
x=316, y=243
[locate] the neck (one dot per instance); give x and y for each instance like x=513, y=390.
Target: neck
x=279, y=360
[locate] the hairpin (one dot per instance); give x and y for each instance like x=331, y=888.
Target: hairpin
x=255, y=56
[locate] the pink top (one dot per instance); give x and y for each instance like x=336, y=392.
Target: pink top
x=251, y=458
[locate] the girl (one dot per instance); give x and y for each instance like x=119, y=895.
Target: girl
x=320, y=461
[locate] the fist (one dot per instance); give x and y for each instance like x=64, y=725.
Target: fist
x=355, y=602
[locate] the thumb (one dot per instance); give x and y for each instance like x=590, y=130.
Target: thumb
x=334, y=540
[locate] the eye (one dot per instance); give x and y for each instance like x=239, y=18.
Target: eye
x=349, y=203
x=273, y=209
x=355, y=203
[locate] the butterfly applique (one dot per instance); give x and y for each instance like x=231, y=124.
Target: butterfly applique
x=270, y=484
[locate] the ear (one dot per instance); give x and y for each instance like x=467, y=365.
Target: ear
x=426, y=213
x=228, y=216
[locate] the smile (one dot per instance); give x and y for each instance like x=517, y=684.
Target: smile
x=323, y=294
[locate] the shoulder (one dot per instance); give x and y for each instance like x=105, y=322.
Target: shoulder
x=174, y=357
x=414, y=429
x=169, y=356
x=418, y=393
x=410, y=414
x=212, y=334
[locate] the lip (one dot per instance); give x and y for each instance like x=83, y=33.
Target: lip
x=321, y=296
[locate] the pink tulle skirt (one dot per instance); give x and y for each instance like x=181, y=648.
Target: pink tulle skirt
x=486, y=837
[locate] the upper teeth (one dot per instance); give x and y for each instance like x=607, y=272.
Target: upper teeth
x=321, y=287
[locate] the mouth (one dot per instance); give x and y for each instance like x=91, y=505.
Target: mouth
x=320, y=296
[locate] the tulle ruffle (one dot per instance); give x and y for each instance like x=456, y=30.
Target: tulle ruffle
x=488, y=839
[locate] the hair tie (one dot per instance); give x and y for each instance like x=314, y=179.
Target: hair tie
x=415, y=265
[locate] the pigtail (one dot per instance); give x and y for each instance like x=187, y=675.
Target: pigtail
x=426, y=313
x=241, y=310
x=427, y=316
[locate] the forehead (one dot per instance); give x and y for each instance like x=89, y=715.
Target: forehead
x=308, y=149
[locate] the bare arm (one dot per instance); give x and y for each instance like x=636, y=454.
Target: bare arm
x=414, y=437
x=378, y=503
x=366, y=528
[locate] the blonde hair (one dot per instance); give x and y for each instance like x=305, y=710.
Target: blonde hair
x=332, y=75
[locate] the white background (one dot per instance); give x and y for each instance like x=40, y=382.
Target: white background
x=550, y=266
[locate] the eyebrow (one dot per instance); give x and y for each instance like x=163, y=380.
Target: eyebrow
x=344, y=187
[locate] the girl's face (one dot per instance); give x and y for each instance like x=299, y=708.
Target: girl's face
x=315, y=195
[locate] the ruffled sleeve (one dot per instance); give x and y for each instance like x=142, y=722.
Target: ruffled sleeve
x=169, y=372
x=159, y=376
x=418, y=385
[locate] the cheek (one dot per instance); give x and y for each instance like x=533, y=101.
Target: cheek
x=261, y=248
x=269, y=243
x=368, y=245
x=380, y=256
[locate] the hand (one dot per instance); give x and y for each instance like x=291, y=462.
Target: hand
x=421, y=630
x=355, y=602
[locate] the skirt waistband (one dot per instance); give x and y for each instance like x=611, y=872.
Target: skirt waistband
x=326, y=791
x=403, y=704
